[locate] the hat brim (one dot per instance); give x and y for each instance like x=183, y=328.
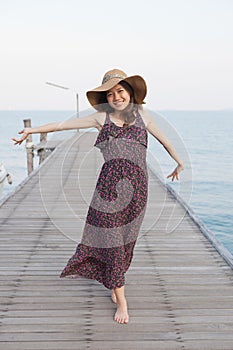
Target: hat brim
x=137, y=83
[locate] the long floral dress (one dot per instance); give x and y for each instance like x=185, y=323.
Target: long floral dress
x=117, y=207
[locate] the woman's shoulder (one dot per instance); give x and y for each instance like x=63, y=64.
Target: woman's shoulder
x=100, y=119
x=146, y=117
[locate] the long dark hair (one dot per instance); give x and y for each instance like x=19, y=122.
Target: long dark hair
x=129, y=113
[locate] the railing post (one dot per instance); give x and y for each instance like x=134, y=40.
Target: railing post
x=42, y=152
x=29, y=147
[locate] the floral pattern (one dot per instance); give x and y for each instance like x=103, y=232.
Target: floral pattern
x=117, y=207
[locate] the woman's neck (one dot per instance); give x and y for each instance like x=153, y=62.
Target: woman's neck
x=117, y=115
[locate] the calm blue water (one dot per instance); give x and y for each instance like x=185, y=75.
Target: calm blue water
x=203, y=139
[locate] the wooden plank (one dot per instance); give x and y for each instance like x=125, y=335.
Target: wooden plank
x=185, y=296
x=97, y=345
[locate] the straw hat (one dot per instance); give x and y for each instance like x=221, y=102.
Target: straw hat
x=114, y=77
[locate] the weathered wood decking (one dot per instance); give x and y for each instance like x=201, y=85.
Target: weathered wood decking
x=179, y=289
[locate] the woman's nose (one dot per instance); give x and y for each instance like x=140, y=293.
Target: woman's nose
x=116, y=96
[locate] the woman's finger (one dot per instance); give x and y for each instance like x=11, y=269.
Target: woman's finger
x=17, y=141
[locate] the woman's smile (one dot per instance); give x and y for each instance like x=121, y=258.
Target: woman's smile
x=119, y=103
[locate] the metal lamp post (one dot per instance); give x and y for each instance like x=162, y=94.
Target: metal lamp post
x=66, y=88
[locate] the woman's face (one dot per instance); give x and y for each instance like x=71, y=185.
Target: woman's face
x=118, y=98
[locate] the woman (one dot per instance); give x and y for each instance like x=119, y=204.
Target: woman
x=119, y=202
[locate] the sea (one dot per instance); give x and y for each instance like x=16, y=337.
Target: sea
x=202, y=139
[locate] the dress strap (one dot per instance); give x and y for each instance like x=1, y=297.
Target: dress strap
x=107, y=119
x=108, y=122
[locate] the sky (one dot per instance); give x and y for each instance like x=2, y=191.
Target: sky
x=182, y=48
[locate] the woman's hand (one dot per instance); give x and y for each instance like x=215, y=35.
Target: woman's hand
x=25, y=133
x=175, y=173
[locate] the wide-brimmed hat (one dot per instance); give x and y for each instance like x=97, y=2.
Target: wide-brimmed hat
x=114, y=77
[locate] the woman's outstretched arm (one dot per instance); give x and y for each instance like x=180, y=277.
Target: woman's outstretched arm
x=90, y=121
x=154, y=130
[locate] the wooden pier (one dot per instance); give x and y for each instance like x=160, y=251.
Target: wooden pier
x=179, y=288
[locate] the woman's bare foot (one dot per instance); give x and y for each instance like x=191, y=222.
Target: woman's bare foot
x=121, y=315
x=114, y=299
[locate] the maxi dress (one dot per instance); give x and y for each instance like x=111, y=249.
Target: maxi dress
x=117, y=207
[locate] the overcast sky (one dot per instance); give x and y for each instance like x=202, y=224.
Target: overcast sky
x=183, y=49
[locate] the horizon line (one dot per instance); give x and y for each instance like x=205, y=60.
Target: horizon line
x=73, y=110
